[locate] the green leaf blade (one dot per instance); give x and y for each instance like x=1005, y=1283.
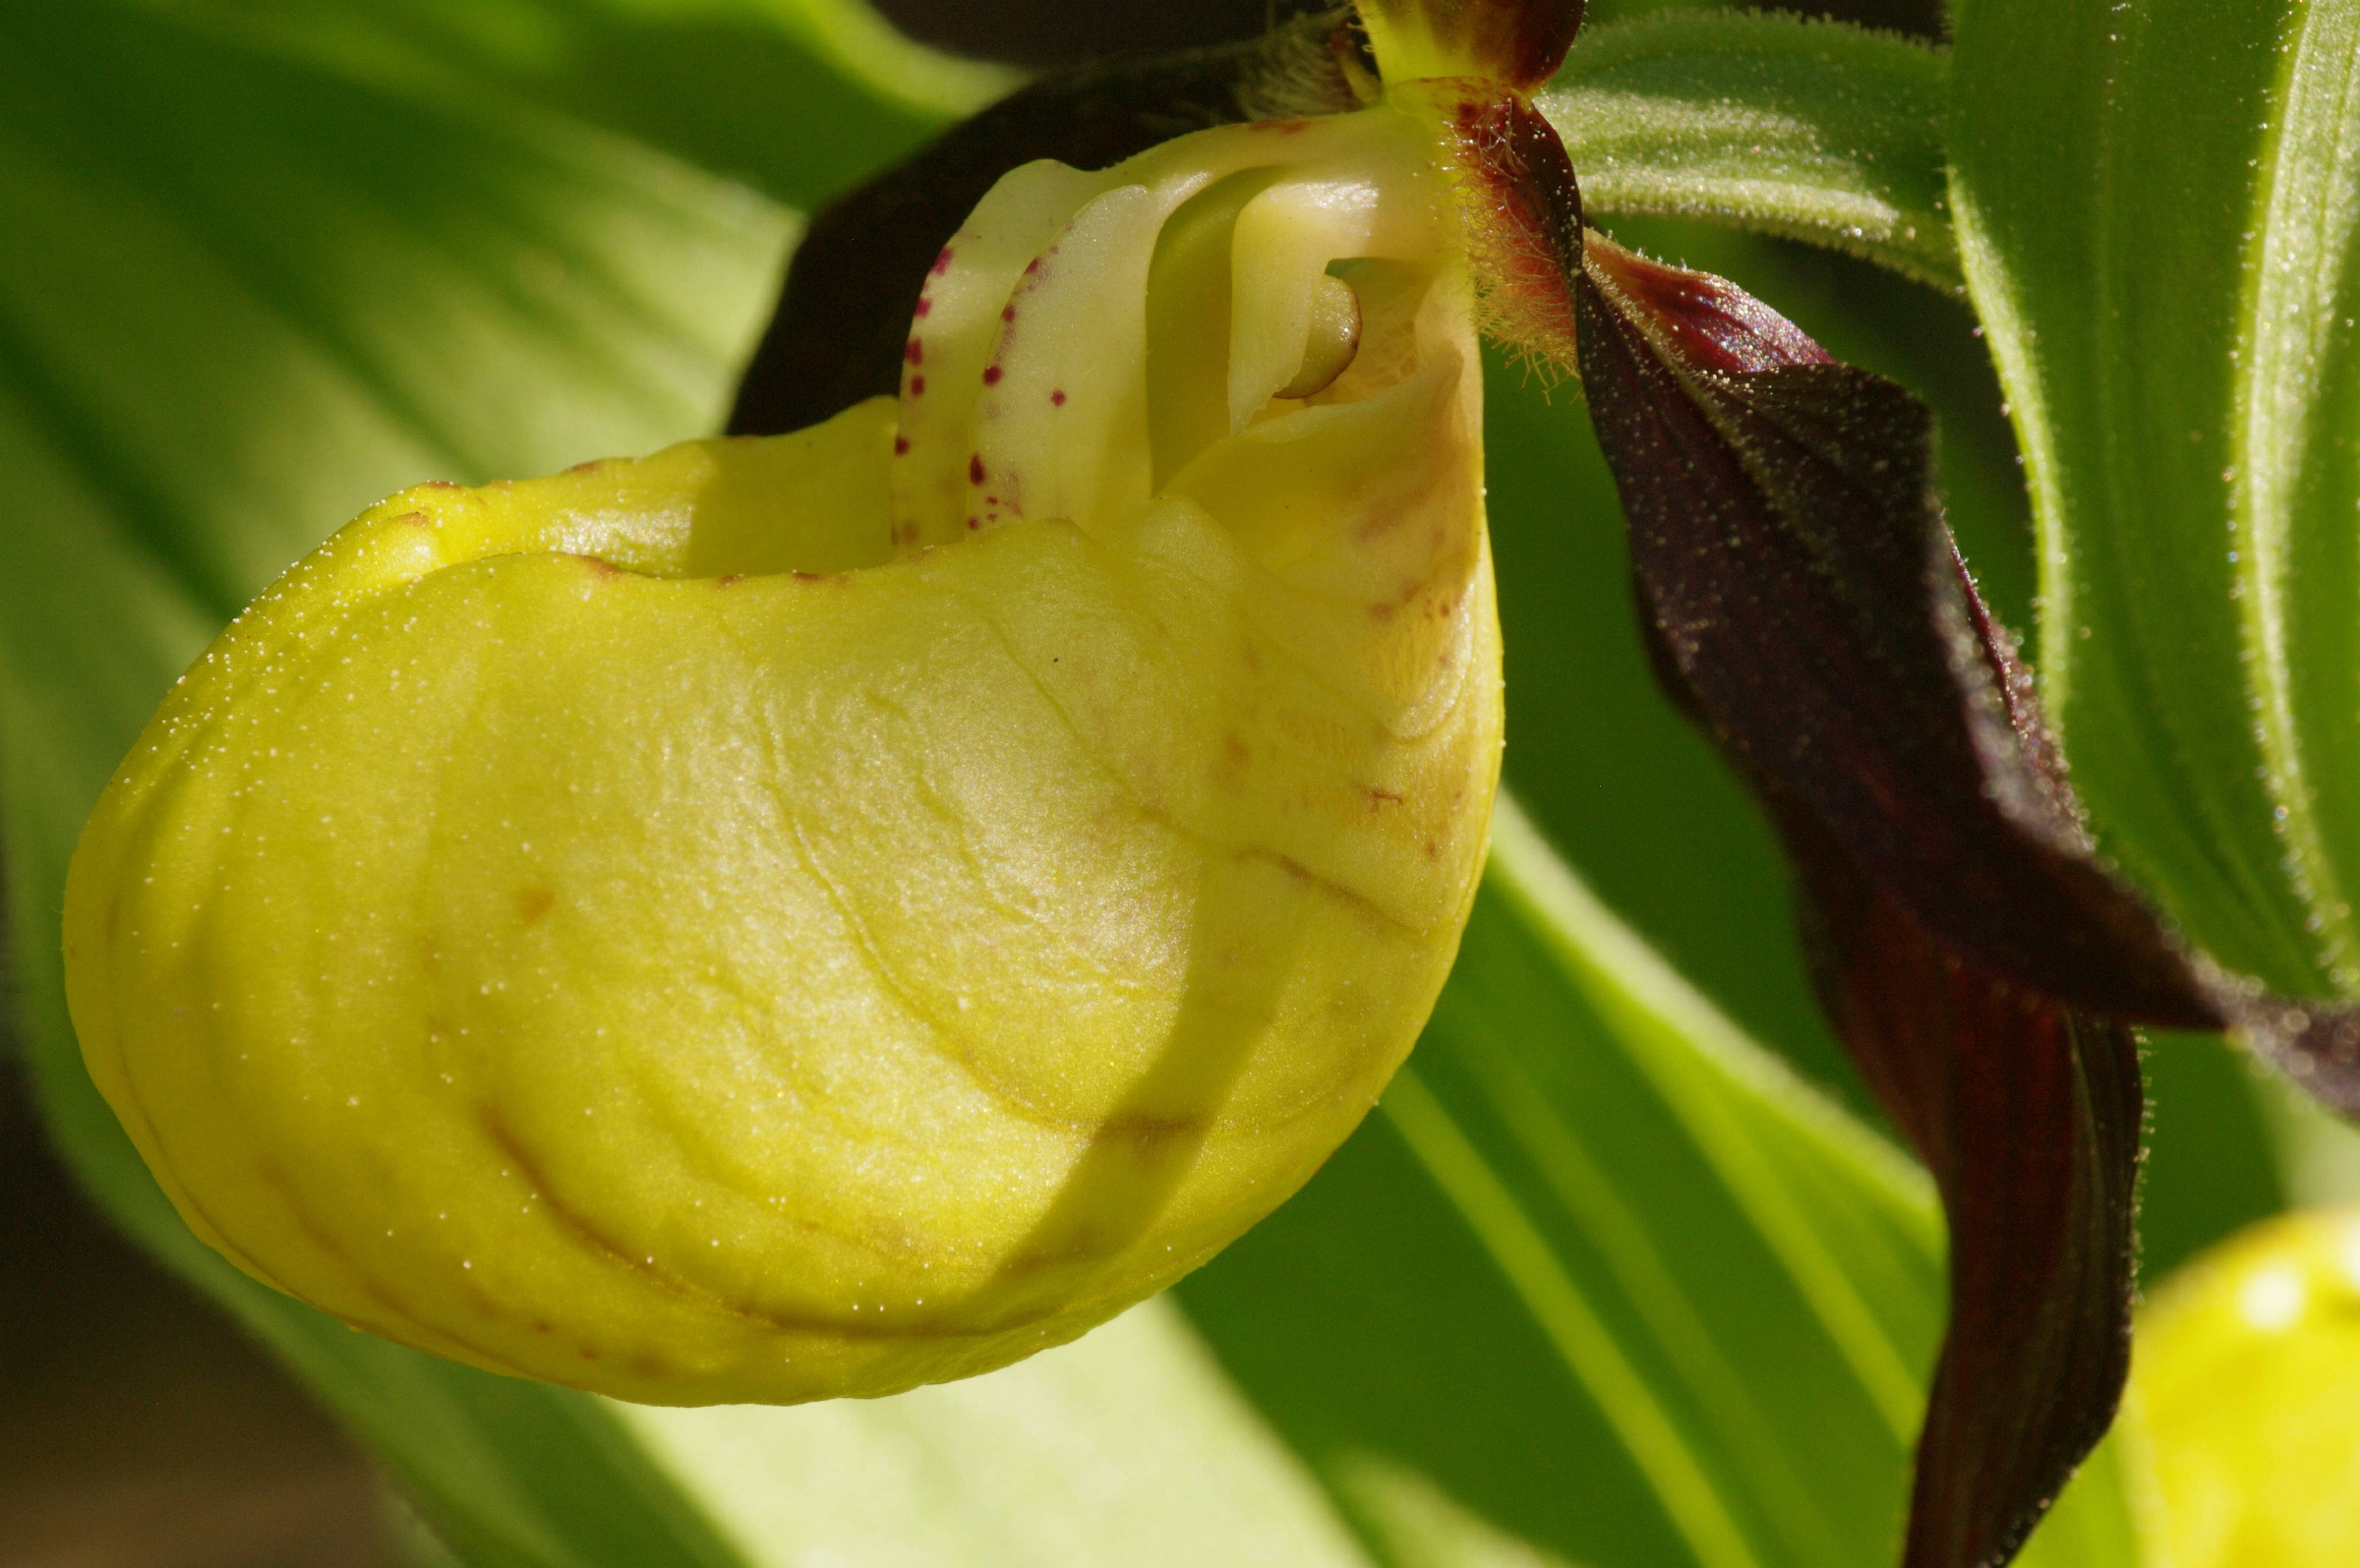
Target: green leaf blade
x=1703, y=1268
x=2110, y=174
x=1816, y=131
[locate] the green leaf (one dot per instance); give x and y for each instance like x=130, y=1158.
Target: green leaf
x=2155, y=203
x=1638, y=1295
x=794, y=96
x=1818, y=131
x=1129, y=1446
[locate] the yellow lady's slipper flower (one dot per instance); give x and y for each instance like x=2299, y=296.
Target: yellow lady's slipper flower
x=2246, y=1393
x=813, y=915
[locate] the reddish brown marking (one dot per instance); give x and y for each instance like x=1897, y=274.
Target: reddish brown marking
x=1383, y=612
x=1433, y=851
x=1032, y=266
x=975, y=469
x=728, y=579
x=534, y=903
x=604, y=568
x=906, y=533
x=973, y=522
x=991, y=376
x=416, y=519
x=1007, y=313
x=441, y=483
x=541, y=1328
x=1525, y=227
x=591, y=467
x=915, y=351
x=1057, y=399
x=942, y=263
x=1704, y=319
x=1233, y=747
x=1378, y=799
x=925, y=307
x=918, y=386
x=901, y=446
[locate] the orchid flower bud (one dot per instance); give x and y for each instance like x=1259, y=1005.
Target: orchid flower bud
x=804, y=916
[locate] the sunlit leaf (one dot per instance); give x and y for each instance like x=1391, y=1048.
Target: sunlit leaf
x=1819, y=131
x=2155, y=207
x=792, y=96
x=1603, y=1248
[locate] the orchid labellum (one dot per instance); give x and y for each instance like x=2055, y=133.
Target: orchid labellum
x=854, y=902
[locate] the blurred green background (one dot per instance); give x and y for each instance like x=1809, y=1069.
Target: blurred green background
x=139, y=1428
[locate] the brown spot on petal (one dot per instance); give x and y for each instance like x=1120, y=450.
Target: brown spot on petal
x=534, y=903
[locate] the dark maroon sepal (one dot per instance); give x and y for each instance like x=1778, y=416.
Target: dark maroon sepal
x=1809, y=610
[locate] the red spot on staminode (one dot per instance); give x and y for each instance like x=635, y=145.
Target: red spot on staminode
x=925, y=307
x=1032, y=266
x=591, y=467
x=1378, y=799
x=416, y=519
x=972, y=523
x=1057, y=399
x=534, y=903
x=728, y=579
x=1007, y=313
x=918, y=386
x=942, y=263
x=600, y=568
x=901, y=446
x=991, y=376
x=975, y=469
x=915, y=351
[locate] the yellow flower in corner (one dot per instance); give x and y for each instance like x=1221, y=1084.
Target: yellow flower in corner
x=2245, y=1399
x=804, y=916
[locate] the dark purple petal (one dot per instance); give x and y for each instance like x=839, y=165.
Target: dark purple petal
x=1783, y=520
x=2029, y=1117
x=1808, y=607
